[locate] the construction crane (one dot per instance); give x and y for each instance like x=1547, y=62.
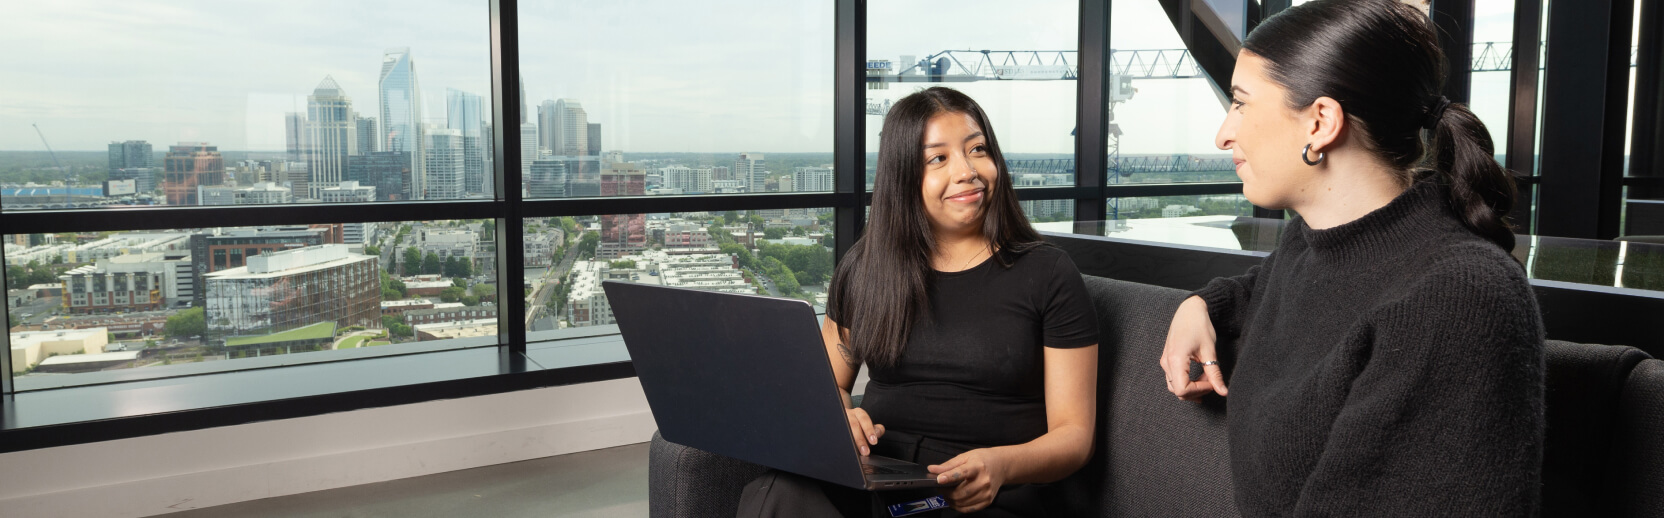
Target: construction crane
x=954, y=66
x=55, y=162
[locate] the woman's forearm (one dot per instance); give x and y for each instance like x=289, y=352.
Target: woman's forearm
x=1048, y=458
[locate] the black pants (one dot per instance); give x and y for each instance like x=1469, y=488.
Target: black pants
x=781, y=494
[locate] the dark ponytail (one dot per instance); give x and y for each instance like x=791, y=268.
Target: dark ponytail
x=1380, y=60
x=1481, y=191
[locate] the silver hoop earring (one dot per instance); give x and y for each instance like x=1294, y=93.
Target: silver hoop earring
x=1309, y=161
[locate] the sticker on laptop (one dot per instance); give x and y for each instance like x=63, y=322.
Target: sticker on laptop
x=916, y=507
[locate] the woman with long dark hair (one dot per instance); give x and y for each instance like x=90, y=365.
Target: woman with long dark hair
x=979, y=339
x=1388, y=356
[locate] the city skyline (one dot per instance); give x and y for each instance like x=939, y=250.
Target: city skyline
x=699, y=92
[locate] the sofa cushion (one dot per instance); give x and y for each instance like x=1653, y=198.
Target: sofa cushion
x=1154, y=455
x=690, y=482
x=1635, y=474
x=1584, y=383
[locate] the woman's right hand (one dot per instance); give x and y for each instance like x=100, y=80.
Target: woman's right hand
x=1191, y=338
x=860, y=426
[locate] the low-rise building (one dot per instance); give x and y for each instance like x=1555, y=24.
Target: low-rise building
x=399, y=307
x=486, y=327
x=136, y=282
x=457, y=313
x=31, y=347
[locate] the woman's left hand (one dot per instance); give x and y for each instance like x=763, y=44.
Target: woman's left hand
x=979, y=474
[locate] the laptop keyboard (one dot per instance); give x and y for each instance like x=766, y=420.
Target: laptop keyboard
x=880, y=470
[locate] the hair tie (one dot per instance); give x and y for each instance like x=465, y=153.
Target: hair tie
x=1435, y=112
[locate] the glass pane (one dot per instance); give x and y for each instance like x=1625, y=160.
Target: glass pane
x=1629, y=116
x=93, y=307
x=1023, y=81
x=310, y=108
x=684, y=101
x=1163, y=112
x=784, y=253
x=1489, y=93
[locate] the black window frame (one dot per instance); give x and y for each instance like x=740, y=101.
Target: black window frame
x=849, y=198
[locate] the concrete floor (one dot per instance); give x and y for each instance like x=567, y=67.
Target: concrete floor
x=594, y=484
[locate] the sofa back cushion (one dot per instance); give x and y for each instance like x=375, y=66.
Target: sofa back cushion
x=1634, y=483
x=1584, y=383
x=1154, y=455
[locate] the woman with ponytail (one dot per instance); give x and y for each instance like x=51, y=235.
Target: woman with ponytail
x=1387, y=357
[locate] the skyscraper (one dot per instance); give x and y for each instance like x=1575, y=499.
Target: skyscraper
x=572, y=133
x=750, y=170
x=188, y=165
x=547, y=178
x=528, y=149
x=294, y=135
x=387, y=171
x=444, y=166
x=546, y=122
x=401, y=113
x=368, y=137
x=594, y=139
x=130, y=154
x=331, y=134
x=462, y=113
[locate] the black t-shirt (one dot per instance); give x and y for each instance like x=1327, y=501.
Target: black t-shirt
x=973, y=369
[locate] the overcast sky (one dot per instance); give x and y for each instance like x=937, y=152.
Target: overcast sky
x=659, y=75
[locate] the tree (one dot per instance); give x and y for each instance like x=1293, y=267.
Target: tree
x=372, y=250
x=739, y=251
x=431, y=264
x=448, y=267
x=485, y=291
x=488, y=231
x=730, y=217
x=451, y=294
x=799, y=231
x=774, y=233
x=625, y=264
x=586, y=246
x=190, y=322
x=470, y=300
x=786, y=281
x=412, y=261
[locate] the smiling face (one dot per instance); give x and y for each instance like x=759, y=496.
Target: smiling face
x=1265, y=137
x=958, y=173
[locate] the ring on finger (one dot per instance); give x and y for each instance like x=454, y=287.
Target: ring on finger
x=1210, y=362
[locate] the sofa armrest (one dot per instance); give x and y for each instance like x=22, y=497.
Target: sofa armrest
x=689, y=482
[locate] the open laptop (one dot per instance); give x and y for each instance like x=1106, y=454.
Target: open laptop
x=748, y=377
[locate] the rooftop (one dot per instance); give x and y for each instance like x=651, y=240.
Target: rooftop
x=312, y=332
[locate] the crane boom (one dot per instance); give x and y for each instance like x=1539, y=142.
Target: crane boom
x=48, y=147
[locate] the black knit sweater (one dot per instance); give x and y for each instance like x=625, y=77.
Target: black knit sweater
x=1390, y=366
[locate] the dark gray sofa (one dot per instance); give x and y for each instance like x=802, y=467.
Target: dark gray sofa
x=1157, y=456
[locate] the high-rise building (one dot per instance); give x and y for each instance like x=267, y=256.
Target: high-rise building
x=349, y=191
x=462, y=113
x=367, y=135
x=811, y=179
x=444, y=166
x=721, y=173
x=331, y=136
x=749, y=168
x=130, y=154
x=594, y=139
x=563, y=127
x=523, y=113
x=387, y=171
x=295, y=288
x=528, y=149
x=546, y=122
x=547, y=178
x=688, y=180
x=622, y=234
x=144, y=178
x=401, y=113
x=187, y=166
x=294, y=135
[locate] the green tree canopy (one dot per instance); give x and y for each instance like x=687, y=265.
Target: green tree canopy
x=451, y=294
x=431, y=264
x=190, y=322
x=412, y=261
